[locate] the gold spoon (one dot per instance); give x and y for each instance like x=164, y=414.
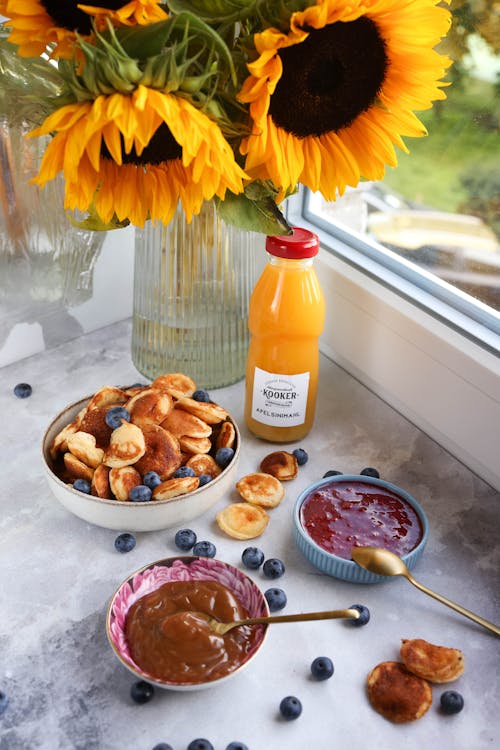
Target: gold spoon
x=385, y=563
x=222, y=627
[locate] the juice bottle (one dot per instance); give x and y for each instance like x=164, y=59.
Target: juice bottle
x=286, y=317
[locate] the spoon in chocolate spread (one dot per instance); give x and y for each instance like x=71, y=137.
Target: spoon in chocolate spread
x=385, y=563
x=223, y=627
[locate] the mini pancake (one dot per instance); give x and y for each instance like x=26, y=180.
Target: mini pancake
x=433, y=663
x=176, y=384
x=242, y=520
x=100, y=483
x=261, y=489
x=149, y=406
x=60, y=442
x=180, y=422
x=94, y=422
x=126, y=446
x=397, y=694
x=202, y=463
x=83, y=446
x=174, y=487
x=226, y=436
x=192, y=445
x=209, y=413
x=122, y=480
x=76, y=469
x=280, y=464
x=162, y=452
x=106, y=396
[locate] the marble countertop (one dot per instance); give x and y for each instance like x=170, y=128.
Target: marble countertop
x=67, y=690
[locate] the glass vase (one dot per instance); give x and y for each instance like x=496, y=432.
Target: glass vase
x=192, y=286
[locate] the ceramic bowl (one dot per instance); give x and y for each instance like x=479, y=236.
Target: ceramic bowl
x=182, y=568
x=342, y=568
x=131, y=516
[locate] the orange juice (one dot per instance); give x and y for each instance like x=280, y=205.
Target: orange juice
x=286, y=317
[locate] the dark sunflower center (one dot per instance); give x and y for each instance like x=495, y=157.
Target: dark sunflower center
x=66, y=14
x=330, y=78
x=161, y=148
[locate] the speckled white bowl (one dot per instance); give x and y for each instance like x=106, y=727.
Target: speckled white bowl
x=182, y=568
x=130, y=516
x=339, y=567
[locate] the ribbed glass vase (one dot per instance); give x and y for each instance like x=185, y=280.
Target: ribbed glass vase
x=192, y=285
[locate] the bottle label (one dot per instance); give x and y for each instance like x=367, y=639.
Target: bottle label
x=279, y=400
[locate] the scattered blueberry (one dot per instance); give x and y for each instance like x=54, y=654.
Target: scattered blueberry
x=200, y=744
x=140, y=494
x=273, y=568
x=82, y=485
x=252, y=558
x=125, y=542
x=224, y=456
x=237, y=746
x=201, y=395
x=322, y=668
x=451, y=702
x=151, y=479
x=184, y=471
x=185, y=539
x=290, y=708
x=370, y=472
x=4, y=702
x=163, y=746
x=276, y=599
x=204, y=479
x=114, y=416
x=23, y=390
x=301, y=456
x=141, y=691
x=332, y=473
x=364, y=615
x=204, y=549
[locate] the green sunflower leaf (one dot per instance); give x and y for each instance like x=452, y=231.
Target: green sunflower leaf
x=254, y=210
x=144, y=41
x=213, y=10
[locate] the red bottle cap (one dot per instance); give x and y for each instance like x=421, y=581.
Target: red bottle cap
x=301, y=244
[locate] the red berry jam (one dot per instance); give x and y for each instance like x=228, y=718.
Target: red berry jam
x=343, y=515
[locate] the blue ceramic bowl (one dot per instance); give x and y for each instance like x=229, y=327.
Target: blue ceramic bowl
x=339, y=567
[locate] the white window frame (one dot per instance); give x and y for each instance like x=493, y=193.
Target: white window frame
x=438, y=367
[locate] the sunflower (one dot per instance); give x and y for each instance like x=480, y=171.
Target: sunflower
x=330, y=98
x=135, y=156
x=36, y=24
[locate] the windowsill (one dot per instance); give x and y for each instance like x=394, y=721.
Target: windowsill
x=437, y=377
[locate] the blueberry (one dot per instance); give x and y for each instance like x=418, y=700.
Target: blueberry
x=290, y=708
x=204, y=479
x=114, y=416
x=364, y=615
x=200, y=744
x=140, y=494
x=369, y=472
x=204, y=549
x=185, y=539
x=4, y=702
x=82, y=486
x=252, y=558
x=151, y=479
x=201, y=395
x=163, y=746
x=451, y=702
x=322, y=668
x=276, y=599
x=301, y=456
x=125, y=542
x=332, y=473
x=273, y=568
x=184, y=471
x=237, y=746
x=141, y=691
x=23, y=390
x=224, y=456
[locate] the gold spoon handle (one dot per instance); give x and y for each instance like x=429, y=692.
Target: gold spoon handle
x=223, y=627
x=465, y=612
